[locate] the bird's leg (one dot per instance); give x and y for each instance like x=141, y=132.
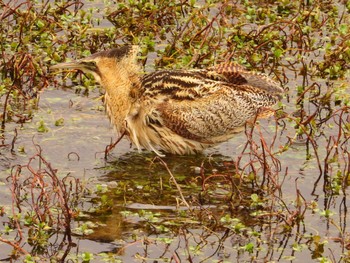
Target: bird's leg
x=112, y=145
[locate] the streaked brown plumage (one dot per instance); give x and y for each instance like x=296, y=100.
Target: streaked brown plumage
x=178, y=111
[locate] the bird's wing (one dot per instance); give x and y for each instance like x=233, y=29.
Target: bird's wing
x=237, y=74
x=203, y=104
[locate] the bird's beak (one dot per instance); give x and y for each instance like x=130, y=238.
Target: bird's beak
x=68, y=65
x=79, y=65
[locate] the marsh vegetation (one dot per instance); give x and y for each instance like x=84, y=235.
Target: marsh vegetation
x=277, y=192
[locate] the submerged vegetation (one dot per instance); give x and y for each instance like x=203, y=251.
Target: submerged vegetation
x=280, y=192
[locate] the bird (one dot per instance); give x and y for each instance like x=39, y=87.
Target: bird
x=180, y=111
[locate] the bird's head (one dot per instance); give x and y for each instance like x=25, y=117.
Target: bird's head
x=104, y=63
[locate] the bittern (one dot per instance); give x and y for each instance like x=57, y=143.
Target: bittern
x=177, y=111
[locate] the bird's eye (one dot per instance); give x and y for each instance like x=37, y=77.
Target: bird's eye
x=90, y=64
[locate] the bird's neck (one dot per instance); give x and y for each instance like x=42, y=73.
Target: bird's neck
x=122, y=85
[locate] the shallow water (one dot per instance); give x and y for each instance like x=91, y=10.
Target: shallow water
x=78, y=146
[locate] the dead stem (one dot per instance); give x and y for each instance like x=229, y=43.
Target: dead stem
x=16, y=246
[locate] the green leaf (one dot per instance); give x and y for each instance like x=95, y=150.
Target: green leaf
x=42, y=126
x=278, y=53
x=255, y=197
x=343, y=29
x=59, y=122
